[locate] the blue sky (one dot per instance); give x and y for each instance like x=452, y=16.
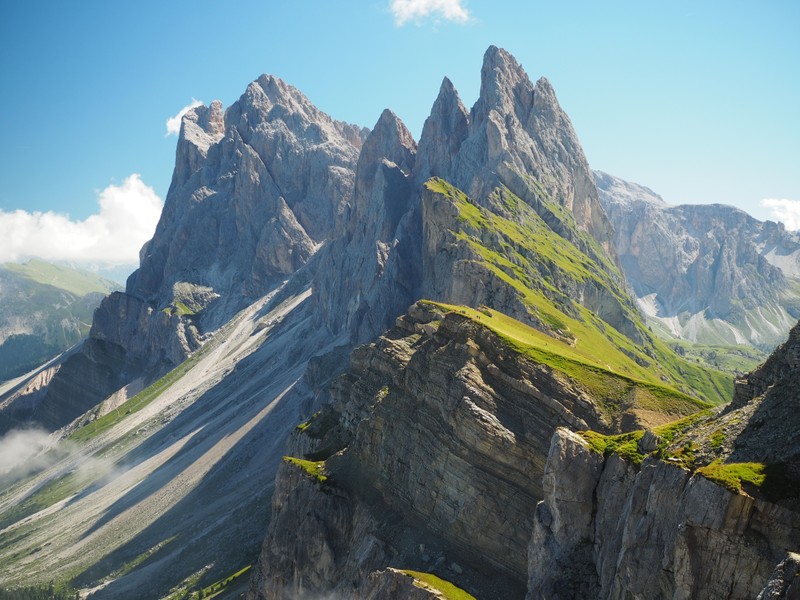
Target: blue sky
x=697, y=100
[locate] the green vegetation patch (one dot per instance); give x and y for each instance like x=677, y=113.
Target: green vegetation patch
x=539, y=264
x=315, y=468
x=47, y=495
x=50, y=591
x=179, y=308
x=772, y=480
x=447, y=589
x=626, y=444
x=610, y=388
x=216, y=588
x=729, y=359
x=717, y=439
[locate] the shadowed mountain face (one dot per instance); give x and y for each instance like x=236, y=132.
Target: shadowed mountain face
x=475, y=267
x=706, y=273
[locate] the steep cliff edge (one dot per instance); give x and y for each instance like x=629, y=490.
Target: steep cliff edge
x=430, y=455
x=703, y=508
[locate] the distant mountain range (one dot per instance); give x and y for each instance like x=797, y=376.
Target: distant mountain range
x=44, y=309
x=353, y=364
x=705, y=273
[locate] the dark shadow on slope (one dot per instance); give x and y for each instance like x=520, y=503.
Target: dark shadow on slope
x=205, y=421
x=221, y=522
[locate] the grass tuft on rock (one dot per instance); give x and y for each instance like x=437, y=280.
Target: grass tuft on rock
x=444, y=587
x=314, y=468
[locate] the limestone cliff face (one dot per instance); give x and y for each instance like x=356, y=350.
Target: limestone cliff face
x=711, y=514
x=378, y=249
x=609, y=530
x=707, y=273
x=517, y=135
x=433, y=449
x=255, y=191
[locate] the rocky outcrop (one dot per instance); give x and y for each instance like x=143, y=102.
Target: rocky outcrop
x=379, y=246
x=609, y=530
x=516, y=137
x=706, y=273
x=784, y=583
x=707, y=514
x=256, y=190
x=437, y=427
x=458, y=264
x=519, y=136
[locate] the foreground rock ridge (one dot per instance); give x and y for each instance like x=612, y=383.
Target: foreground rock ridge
x=418, y=318
x=709, y=510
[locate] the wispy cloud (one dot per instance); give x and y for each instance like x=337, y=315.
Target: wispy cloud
x=174, y=123
x=417, y=10
x=24, y=452
x=785, y=211
x=127, y=217
x=19, y=446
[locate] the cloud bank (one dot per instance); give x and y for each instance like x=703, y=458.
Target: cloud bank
x=174, y=123
x=127, y=217
x=785, y=211
x=416, y=10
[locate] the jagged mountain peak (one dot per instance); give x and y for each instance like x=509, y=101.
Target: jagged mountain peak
x=707, y=273
x=442, y=134
x=519, y=137
x=505, y=87
x=392, y=140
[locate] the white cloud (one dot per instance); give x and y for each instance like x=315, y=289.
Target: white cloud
x=20, y=446
x=127, y=219
x=174, y=123
x=785, y=211
x=408, y=10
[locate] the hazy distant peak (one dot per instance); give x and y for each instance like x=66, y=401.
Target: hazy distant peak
x=614, y=189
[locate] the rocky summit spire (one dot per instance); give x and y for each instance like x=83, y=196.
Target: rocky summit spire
x=378, y=251
x=444, y=131
x=505, y=87
x=519, y=137
x=388, y=148
x=201, y=127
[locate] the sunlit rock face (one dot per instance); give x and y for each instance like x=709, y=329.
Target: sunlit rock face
x=706, y=273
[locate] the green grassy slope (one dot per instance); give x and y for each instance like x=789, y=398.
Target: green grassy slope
x=547, y=271
x=74, y=281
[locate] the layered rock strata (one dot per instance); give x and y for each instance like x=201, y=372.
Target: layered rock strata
x=436, y=438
